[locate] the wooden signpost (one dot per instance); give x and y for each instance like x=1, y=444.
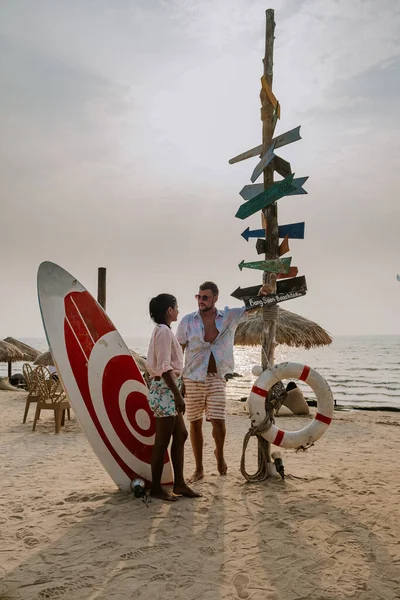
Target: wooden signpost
x=276, y=265
x=263, y=197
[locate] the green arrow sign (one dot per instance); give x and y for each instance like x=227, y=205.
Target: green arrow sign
x=267, y=197
x=276, y=265
x=248, y=192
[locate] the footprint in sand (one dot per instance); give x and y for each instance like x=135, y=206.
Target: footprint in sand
x=241, y=582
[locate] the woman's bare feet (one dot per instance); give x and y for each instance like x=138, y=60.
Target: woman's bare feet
x=185, y=490
x=163, y=494
x=197, y=475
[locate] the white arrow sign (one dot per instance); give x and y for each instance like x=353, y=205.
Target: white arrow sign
x=264, y=162
x=281, y=140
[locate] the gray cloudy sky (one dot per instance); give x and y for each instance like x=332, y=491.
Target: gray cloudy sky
x=117, y=121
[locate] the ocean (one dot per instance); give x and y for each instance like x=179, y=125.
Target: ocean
x=361, y=371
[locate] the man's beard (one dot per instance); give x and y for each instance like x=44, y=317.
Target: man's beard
x=206, y=309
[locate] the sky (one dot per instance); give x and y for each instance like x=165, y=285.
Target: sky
x=117, y=121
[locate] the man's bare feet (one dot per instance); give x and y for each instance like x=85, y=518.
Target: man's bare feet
x=221, y=464
x=197, y=475
x=185, y=490
x=163, y=494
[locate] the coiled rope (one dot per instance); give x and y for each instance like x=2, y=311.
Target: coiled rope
x=273, y=401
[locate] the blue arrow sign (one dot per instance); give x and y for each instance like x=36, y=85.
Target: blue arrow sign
x=294, y=231
x=250, y=191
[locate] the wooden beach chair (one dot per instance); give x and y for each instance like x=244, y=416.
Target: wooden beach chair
x=51, y=397
x=31, y=386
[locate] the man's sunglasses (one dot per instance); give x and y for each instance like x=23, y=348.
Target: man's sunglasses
x=204, y=298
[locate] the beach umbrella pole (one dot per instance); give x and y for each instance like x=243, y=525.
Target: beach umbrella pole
x=9, y=369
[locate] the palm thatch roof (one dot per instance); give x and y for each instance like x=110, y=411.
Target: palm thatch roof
x=29, y=353
x=46, y=359
x=292, y=330
x=10, y=353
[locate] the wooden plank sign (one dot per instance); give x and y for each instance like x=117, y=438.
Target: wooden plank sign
x=276, y=265
x=270, y=95
x=281, y=140
x=271, y=299
x=293, y=271
x=281, y=166
x=293, y=231
x=264, y=162
x=283, y=286
x=261, y=246
x=275, y=192
x=284, y=246
x=248, y=192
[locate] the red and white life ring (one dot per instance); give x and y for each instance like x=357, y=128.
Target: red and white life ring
x=302, y=438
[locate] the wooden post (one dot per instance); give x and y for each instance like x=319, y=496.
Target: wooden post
x=101, y=287
x=270, y=213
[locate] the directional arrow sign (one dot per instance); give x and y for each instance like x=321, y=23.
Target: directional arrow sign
x=271, y=299
x=251, y=191
x=291, y=273
x=264, y=162
x=281, y=140
x=282, y=287
x=276, y=265
x=281, y=166
x=295, y=231
x=284, y=246
x=267, y=197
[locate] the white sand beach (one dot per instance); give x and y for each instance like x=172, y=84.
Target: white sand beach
x=330, y=531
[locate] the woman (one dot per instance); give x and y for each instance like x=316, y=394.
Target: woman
x=165, y=365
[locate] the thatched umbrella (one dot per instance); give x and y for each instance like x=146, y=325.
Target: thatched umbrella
x=46, y=359
x=292, y=330
x=29, y=353
x=10, y=353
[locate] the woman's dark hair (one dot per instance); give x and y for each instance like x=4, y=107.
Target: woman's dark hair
x=159, y=305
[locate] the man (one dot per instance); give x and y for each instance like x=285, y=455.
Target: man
x=207, y=338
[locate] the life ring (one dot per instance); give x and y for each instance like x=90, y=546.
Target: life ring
x=302, y=438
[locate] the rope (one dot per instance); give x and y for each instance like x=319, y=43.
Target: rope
x=263, y=452
x=270, y=312
x=273, y=401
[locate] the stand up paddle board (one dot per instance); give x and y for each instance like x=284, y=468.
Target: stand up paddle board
x=100, y=377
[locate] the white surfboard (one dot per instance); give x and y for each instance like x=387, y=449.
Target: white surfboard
x=100, y=377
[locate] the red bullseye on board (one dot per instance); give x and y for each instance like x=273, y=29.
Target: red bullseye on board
x=100, y=376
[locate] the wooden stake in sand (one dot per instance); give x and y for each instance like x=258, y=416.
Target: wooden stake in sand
x=102, y=286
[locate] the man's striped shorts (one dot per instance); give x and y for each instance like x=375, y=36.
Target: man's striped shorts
x=207, y=397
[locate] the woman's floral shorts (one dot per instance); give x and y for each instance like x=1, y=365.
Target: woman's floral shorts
x=161, y=399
